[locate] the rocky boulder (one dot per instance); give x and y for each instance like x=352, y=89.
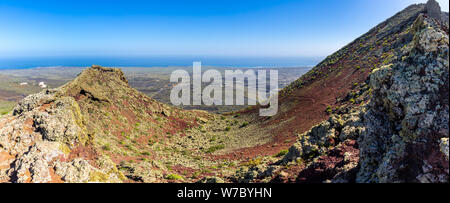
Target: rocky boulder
x=408, y=116
x=434, y=10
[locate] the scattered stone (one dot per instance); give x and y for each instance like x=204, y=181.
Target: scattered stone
x=211, y=180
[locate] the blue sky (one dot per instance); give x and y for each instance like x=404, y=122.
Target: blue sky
x=188, y=28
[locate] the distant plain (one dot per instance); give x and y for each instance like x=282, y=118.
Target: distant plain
x=15, y=84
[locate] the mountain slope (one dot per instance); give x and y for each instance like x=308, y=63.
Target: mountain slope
x=81, y=131
x=336, y=81
x=332, y=80
x=388, y=113
x=97, y=128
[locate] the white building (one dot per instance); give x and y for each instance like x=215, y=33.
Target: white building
x=42, y=85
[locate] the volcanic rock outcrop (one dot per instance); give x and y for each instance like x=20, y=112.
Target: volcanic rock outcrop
x=434, y=10
x=408, y=115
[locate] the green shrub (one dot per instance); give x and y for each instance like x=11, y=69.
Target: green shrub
x=314, y=153
x=299, y=161
x=195, y=175
x=282, y=153
x=253, y=162
x=129, y=147
x=146, y=153
x=151, y=142
x=215, y=148
x=106, y=147
x=244, y=124
x=173, y=177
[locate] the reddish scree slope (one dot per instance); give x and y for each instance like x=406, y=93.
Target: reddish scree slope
x=303, y=103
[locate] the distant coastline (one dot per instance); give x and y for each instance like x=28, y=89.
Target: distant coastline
x=263, y=62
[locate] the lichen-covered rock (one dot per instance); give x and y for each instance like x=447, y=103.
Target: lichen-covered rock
x=256, y=172
x=145, y=172
x=317, y=141
x=444, y=146
x=32, y=101
x=312, y=143
x=408, y=113
x=211, y=180
x=33, y=166
x=40, y=134
x=353, y=125
x=80, y=171
x=248, y=174
x=63, y=122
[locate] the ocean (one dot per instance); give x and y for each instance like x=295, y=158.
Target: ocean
x=112, y=61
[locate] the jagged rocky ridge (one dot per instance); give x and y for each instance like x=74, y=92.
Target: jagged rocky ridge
x=38, y=138
x=69, y=134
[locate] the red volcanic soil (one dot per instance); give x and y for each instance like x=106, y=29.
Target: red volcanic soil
x=326, y=167
x=305, y=107
x=323, y=168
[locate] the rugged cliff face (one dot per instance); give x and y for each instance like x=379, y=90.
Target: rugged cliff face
x=391, y=127
x=406, y=136
x=434, y=10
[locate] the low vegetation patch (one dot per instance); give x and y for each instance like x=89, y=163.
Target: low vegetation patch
x=106, y=147
x=253, y=162
x=6, y=107
x=282, y=153
x=173, y=177
x=215, y=148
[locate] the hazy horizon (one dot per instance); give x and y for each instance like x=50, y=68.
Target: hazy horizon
x=157, y=61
